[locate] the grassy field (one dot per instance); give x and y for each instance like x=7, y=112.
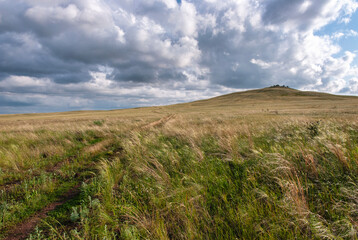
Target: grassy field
x=274, y=163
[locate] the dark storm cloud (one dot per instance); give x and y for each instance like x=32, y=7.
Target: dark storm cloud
x=228, y=55
x=281, y=11
x=81, y=54
x=305, y=15
x=23, y=56
x=144, y=72
x=12, y=16
x=8, y=102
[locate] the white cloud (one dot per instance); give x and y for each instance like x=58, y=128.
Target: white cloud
x=184, y=19
x=352, y=33
x=353, y=85
x=304, y=6
x=337, y=35
x=262, y=63
x=346, y=34
x=23, y=81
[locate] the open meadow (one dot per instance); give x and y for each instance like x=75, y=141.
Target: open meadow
x=274, y=163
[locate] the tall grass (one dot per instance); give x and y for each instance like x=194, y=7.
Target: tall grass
x=194, y=177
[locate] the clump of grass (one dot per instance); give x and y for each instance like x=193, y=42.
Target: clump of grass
x=98, y=122
x=313, y=128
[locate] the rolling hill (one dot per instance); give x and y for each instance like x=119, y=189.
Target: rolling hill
x=271, y=100
x=274, y=100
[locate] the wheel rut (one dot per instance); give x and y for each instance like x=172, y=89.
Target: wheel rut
x=159, y=122
x=24, y=229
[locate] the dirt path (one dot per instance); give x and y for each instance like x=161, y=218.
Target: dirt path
x=159, y=122
x=23, y=230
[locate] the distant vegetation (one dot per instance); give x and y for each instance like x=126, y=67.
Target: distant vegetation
x=278, y=86
x=190, y=171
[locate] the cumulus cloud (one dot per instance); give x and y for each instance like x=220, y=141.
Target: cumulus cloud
x=345, y=34
x=103, y=54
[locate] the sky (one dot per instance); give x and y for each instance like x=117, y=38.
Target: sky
x=65, y=55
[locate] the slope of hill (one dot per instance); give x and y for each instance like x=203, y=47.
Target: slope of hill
x=280, y=100
x=276, y=93
x=272, y=94
x=275, y=99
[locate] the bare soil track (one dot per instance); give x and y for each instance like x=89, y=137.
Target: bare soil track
x=159, y=122
x=23, y=230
